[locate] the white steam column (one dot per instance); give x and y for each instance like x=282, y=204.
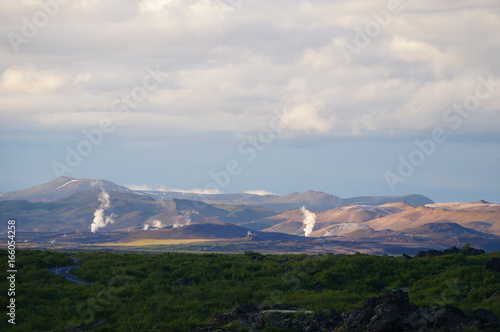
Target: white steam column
x=309, y=220
x=100, y=220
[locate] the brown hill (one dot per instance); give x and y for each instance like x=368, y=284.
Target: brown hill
x=478, y=216
x=332, y=222
x=403, y=206
x=340, y=229
x=445, y=229
x=355, y=214
x=348, y=219
x=289, y=222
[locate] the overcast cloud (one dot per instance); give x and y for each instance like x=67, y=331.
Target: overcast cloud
x=226, y=65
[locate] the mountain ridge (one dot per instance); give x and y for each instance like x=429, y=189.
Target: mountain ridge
x=123, y=213
x=62, y=187
x=65, y=186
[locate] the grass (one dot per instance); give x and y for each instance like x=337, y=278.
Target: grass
x=137, y=291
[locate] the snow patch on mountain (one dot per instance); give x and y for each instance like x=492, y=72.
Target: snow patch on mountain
x=64, y=185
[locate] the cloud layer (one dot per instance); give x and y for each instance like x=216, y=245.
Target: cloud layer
x=226, y=65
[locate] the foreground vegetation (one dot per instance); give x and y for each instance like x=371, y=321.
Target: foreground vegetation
x=131, y=292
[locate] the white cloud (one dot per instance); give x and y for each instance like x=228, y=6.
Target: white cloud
x=154, y=4
x=222, y=61
x=259, y=192
x=143, y=187
x=29, y=79
x=306, y=117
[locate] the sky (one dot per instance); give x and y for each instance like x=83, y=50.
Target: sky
x=351, y=98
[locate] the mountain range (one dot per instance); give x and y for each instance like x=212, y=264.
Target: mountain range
x=65, y=186
x=66, y=209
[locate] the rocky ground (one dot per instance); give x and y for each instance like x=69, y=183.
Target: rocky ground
x=391, y=312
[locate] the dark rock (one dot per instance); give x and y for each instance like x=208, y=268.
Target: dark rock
x=280, y=316
x=397, y=298
x=356, y=318
x=429, y=253
x=244, y=309
x=222, y=318
x=159, y=327
x=452, y=250
x=493, y=264
x=483, y=319
x=485, y=316
x=105, y=321
x=383, y=313
x=318, y=287
x=182, y=282
x=386, y=318
x=280, y=307
x=280, y=261
x=390, y=312
x=473, y=251
x=449, y=317
x=246, y=315
x=394, y=312
x=205, y=328
x=469, y=251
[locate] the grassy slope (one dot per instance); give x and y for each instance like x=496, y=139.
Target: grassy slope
x=139, y=290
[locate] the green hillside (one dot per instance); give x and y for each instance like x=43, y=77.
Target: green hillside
x=132, y=292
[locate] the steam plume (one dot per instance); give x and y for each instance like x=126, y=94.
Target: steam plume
x=184, y=219
x=309, y=220
x=100, y=220
x=155, y=224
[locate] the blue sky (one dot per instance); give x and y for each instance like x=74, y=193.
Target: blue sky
x=346, y=97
